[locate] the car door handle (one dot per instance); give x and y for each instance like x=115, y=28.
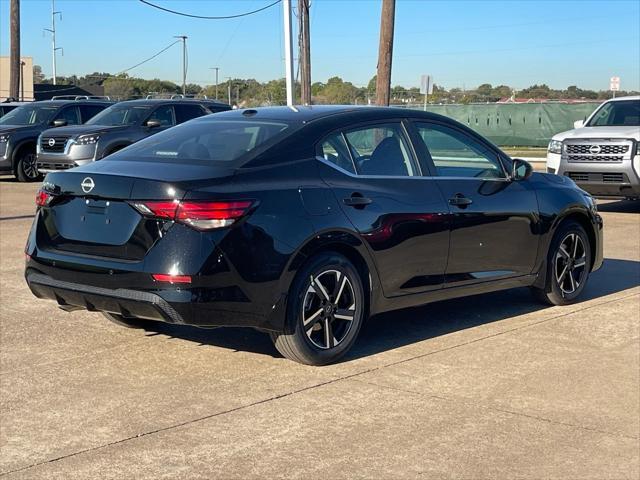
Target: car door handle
x=460, y=200
x=356, y=201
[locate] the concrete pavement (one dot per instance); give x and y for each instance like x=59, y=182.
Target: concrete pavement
x=492, y=386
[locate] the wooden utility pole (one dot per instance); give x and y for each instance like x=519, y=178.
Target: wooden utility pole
x=385, y=52
x=305, y=53
x=14, y=53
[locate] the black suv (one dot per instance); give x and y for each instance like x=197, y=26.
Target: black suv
x=115, y=128
x=20, y=128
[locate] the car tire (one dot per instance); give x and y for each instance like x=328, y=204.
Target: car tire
x=568, y=265
x=125, y=322
x=26, y=168
x=325, y=310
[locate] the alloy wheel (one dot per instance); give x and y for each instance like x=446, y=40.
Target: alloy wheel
x=328, y=309
x=29, y=166
x=570, y=264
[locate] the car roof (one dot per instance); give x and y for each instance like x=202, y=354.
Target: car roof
x=169, y=101
x=59, y=103
x=621, y=99
x=310, y=113
x=13, y=104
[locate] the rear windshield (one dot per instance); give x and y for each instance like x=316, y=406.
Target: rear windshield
x=204, y=142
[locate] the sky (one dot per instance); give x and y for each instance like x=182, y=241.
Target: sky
x=461, y=43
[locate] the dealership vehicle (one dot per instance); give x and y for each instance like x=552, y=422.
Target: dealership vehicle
x=20, y=128
x=115, y=128
x=304, y=221
x=6, y=107
x=602, y=155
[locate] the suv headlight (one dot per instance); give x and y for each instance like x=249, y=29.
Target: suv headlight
x=4, y=138
x=555, y=146
x=87, y=139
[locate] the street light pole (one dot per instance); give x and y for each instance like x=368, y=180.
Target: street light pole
x=52, y=31
x=229, y=88
x=216, y=69
x=184, y=62
x=288, y=51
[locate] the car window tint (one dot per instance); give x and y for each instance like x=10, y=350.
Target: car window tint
x=381, y=150
x=335, y=150
x=164, y=115
x=70, y=114
x=458, y=155
x=203, y=143
x=89, y=111
x=187, y=112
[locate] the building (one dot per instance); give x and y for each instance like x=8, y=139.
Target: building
x=26, y=79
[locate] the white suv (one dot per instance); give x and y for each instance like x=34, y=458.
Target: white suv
x=602, y=155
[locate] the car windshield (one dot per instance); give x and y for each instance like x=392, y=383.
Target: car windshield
x=29, y=115
x=621, y=113
x=204, y=142
x=121, y=115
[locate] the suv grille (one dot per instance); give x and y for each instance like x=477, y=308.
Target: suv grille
x=58, y=144
x=598, y=151
x=584, y=177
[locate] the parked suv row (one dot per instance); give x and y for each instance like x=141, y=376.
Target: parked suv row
x=115, y=128
x=20, y=128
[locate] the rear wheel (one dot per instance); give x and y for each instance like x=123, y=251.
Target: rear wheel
x=324, y=312
x=568, y=266
x=125, y=322
x=26, y=168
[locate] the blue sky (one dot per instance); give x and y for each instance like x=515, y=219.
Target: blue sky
x=461, y=43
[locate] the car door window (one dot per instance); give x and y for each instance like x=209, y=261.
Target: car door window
x=456, y=154
x=88, y=111
x=381, y=150
x=187, y=112
x=164, y=115
x=334, y=149
x=70, y=114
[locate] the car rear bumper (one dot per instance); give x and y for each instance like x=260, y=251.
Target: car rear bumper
x=128, y=303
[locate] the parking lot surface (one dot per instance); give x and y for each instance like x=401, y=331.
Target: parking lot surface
x=492, y=386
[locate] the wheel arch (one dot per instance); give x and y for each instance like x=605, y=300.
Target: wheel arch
x=114, y=148
x=27, y=142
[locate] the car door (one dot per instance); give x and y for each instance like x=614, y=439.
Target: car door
x=400, y=215
x=493, y=226
x=70, y=114
x=163, y=114
x=89, y=111
x=185, y=112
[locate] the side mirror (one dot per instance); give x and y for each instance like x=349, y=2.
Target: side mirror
x=152, y=123
x=521, y=170
x=60, y=122
x=578, y=124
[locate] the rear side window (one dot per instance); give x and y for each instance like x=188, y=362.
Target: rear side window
x=381, y=150
x=334, y=149
x=89, y=111
x=204, y=142
x=187, y=112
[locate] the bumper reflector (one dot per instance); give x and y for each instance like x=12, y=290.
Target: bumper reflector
x=159, y=277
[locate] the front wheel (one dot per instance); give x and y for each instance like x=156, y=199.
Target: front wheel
x=26, y=168
x=568, y=266
x=324, y=313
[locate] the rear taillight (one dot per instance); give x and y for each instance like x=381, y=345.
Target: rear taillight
x=43, y=198
x=201, y=215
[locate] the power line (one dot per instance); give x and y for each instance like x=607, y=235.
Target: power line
x=206, y=17
x=148, y=59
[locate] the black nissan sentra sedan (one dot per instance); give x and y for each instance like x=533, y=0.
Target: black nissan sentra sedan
x=302, y=222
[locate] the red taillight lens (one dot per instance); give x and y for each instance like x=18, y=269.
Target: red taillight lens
x=172, y=278
x=43, y=198
x=201, y=215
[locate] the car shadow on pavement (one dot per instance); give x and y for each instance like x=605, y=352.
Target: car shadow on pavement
x=404, y=327
x=620, y=206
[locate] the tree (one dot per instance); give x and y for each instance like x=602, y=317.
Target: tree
x=38, y=76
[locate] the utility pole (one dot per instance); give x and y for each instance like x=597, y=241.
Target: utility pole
x=216, y=69
x=288, y=51
x=184, y=62
x=229, y=89
x=22, y=64
x=305, y=52
x=52, y=31
x=14, y=53
x=385, y=52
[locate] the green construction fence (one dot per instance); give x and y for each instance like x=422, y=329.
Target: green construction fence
x=521, y=125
